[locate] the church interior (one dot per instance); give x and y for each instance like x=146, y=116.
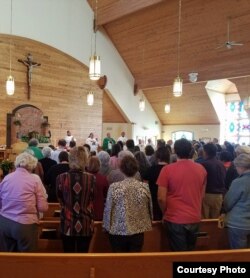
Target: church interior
x=143, y=47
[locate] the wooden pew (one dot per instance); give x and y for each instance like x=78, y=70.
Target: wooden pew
x=209, y=238
x=52, y=212
x=134, y=265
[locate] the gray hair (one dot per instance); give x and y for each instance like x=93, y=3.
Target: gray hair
x=33, y=142
x=46, y=151
x=243, y=161
x=104, y=157
x=26, y=160
x=242, y=149
x=122, y=154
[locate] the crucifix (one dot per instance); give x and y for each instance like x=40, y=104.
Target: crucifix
x=30, y=65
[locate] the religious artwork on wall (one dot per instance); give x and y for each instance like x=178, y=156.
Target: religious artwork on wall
x=30, y=64
x=25, y=122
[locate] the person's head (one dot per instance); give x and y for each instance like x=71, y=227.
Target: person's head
x=87, y=146
x=91, y=135
x=149, y=150
x=225, y=156
x=104, y=158
x=242, y=149
x=122, y=134
x=122, y=154
x=210, y=150
x=170, y=142
x=63, y=156
x=121, y=144
x=136, y=149
x=27, y=161
x=139, y=141
x=72, y=144
x=108, y=135
x=200, y=152
x=53, y=148
x=130, y=144
x=68, y=133
x=149, y=141
x=33, y=142
x=242, y=163
x=46, y=151
x=129, y=166
x=160, y=143
x=141, y=159
x=77, y=158
x=94, y=164
x=162, y=154
x=182, y=148
x=61, y=143
x=116, y=148
x=215, y=141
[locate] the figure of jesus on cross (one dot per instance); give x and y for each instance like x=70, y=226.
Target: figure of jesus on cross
x=30, y=65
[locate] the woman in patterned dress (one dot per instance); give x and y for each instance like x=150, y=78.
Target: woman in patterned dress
x=128, y=210
x=75, y=192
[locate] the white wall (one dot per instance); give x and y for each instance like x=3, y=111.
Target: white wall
x=67, y=25
x=199, y=131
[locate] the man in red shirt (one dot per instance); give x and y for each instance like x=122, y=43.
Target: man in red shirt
x=180, y=193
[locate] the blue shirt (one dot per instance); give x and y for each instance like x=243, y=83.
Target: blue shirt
x=237, y=203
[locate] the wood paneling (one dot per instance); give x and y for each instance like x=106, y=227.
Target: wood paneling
x=146, y=38
x=111, y=111
x=193, y=107
x=59, y=89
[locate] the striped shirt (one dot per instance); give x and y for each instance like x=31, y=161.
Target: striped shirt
x=75, y=192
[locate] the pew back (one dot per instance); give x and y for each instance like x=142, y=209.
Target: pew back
x=132, y=265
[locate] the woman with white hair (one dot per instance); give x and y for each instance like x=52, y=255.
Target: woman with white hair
x=22, y=197
x=237, y=205
x=46, y=161
x=104, y=158
x=231, y=171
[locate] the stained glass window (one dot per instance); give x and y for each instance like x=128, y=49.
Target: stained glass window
x=237, y=123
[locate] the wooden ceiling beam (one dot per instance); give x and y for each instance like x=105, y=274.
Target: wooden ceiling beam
x=109, y=11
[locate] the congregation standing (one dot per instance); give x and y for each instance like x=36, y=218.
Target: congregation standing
x=127, y=186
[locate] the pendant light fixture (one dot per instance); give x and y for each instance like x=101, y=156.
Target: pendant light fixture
x=142, y=104
x=90, y=98
x=167, y=108
x=95, y=60
x=10, y=83
x=177, y=87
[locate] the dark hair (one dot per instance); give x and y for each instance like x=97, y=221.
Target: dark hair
x=149, y=150
x=130, y=144
x=210, y=150
x=136, y=149
x=168, y=147
x=63, y=156
x=87, y=146
x=161, y=143
x=163, y=154
x=182, y=148
x=121, y=144
x=52, y=147
x=129, y=166
x=225, y=156
x=72, y=144
x=116, y=148
x=61, y=142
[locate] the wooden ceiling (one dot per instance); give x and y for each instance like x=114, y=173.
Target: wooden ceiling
x=145, y=32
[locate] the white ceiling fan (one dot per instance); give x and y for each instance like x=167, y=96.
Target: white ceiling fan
x=229, y=44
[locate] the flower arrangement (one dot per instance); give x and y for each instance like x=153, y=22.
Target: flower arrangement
x=6, y=166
